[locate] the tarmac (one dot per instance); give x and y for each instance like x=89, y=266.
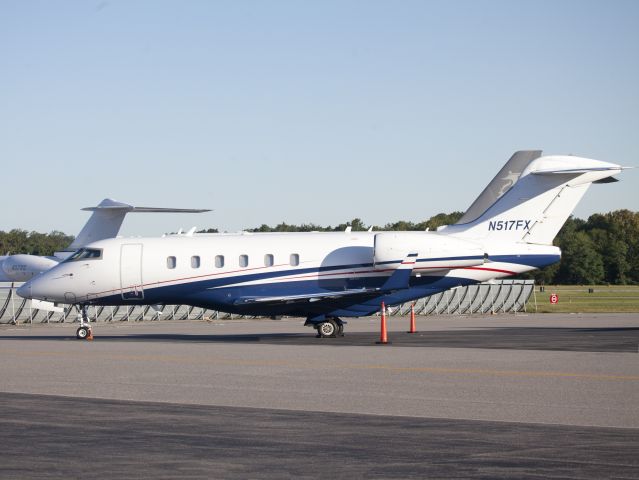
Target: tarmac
x=503, y=396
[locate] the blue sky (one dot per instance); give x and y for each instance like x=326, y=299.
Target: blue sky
x=300, y=111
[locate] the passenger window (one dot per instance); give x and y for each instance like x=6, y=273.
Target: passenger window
x=268, y=260
x=219, y=261
x=243, y=260
x=295, y=259
x=195, y=261
x=170, y=262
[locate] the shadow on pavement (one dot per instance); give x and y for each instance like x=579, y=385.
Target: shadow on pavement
x=623, y=339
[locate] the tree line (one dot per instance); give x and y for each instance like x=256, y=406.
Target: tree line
x=34, y=243
x=602, y=249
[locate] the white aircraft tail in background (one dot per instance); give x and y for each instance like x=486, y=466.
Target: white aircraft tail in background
x=105, y=222
x=107, y=218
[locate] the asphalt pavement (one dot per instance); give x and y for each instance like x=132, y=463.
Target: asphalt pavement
x=529, y=396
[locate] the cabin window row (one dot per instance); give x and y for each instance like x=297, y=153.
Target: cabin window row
x=243, y=261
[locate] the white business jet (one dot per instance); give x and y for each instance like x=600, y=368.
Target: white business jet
x=327, y=276
x=105, y=222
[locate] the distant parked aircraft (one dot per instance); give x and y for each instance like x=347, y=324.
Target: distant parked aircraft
x=105, y=222
x=328, y=276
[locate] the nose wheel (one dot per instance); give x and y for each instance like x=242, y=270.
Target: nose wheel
x=84, y=330
x=82, y=333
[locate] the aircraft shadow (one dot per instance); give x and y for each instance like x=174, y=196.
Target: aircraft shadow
x=613, y=339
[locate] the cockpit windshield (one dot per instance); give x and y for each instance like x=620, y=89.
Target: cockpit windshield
x=85, y=254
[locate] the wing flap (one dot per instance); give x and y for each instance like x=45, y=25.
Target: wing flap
x=397, y=281
x=307, y=297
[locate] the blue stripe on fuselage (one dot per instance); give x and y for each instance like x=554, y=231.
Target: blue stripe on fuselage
x=197, y=294
x=221, y=292
x=537, y=261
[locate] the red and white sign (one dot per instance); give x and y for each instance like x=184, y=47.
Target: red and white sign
x=554, y=298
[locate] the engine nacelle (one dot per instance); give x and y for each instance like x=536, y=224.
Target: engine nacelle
x=21, y=268
x=434, y=251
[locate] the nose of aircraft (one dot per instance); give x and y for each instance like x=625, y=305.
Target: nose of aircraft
x=34, y=288
x=25, y=290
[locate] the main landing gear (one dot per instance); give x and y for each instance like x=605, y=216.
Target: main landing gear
x=329, y=328
x=84, y=330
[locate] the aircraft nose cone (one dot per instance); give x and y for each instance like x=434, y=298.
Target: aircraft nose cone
x=33, y=289
x=44, y=287
x=25, y=290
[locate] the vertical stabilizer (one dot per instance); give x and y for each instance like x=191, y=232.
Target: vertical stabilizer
x=104, y=222
x=503, y=181
x=107, y=218
x=535, y=208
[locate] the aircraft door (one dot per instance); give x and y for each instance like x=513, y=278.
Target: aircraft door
x=131, y=271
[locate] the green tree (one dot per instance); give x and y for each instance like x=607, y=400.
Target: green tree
x=33, y=243
x=605, y=248
x=580, y=263
x=443, y=219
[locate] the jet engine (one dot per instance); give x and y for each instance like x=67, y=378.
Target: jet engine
x=434, y=251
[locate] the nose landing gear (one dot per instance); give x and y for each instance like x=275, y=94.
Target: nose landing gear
x=82, y=333
x=84, y=330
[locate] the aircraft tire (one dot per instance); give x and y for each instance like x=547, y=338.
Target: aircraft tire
x=327, y=329
x=82, y=333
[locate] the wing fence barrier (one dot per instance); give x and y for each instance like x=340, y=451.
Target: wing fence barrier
x=504, y=296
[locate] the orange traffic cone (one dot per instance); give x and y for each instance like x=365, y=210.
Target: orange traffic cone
x=383, y=339
x=90, y=335
x=412, y=319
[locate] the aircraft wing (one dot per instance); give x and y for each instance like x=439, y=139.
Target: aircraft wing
x=310, y=297
x=397, y=281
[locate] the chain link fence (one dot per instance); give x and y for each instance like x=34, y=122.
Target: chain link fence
x=505, y=296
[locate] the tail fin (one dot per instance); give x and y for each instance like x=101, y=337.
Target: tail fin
x=532, y=200
x=107, y=218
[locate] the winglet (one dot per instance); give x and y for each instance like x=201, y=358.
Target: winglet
x=400, y=278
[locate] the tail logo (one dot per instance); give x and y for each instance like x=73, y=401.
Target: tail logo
x=509, y=180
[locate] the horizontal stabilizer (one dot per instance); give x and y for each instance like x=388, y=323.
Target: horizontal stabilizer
x=107, y=218
x=109, y=204
x=560, y=171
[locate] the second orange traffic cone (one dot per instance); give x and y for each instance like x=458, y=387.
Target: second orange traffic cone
x=412, y=319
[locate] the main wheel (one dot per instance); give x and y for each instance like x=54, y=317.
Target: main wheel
x=327, y=329
x=81, y=333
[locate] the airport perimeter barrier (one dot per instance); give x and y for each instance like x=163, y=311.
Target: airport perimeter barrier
x=503, y=296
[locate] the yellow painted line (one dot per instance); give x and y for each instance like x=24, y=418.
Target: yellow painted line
x=317, y=364
x=509, y=373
